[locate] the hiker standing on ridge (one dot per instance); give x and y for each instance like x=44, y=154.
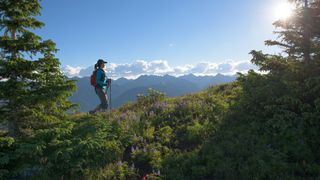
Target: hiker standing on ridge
x=101, y=83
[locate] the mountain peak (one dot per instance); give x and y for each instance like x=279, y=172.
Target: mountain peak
x=189, y=75
x=122, y=79
x=219, y=75
x=167, y=75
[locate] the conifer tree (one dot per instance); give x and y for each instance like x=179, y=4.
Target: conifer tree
x=276, y=114
x=33, y=89
x=300, y=34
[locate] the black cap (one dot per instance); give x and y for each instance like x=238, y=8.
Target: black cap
x=100, y=61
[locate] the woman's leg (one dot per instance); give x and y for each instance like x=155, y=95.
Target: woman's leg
x=103, y=99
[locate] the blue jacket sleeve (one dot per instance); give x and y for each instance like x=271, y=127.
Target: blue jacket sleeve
x=99, y=75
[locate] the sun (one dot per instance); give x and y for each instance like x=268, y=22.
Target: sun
x=283, y=11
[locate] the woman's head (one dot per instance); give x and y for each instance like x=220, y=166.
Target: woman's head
x=100, y=64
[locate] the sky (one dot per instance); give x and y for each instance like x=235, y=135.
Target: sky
x=158, y=36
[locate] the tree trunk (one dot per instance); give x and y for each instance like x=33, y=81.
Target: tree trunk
x=13, y=128
x=13, y=124
x=14, y=37
x=306, y=34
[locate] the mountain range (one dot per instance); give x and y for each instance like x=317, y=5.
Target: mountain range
x=126, y=90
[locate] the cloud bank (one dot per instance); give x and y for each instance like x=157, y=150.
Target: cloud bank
x=162, y=67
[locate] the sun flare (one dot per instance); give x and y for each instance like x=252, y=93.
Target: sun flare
x=284, y=10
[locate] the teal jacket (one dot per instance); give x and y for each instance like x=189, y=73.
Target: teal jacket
x=101, y=78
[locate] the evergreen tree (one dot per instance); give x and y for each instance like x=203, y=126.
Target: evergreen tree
x=272, y=131
x=300, y=34
x=33, y=89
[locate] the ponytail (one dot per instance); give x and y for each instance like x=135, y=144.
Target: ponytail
x=96, y=66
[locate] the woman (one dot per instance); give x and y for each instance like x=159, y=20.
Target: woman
x=101, y=86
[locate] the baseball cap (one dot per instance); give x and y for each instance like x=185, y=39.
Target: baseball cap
x=100, y=61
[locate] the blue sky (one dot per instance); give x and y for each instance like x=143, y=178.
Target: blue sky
x=177, y=31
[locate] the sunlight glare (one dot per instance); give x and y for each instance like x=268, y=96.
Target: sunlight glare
x=284, y=10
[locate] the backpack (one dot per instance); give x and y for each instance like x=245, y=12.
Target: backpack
x=93, y=78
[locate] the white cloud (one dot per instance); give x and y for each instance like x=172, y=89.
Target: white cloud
x=159, y=68
x=181, y=70
x=71, y=71
x=162, y=67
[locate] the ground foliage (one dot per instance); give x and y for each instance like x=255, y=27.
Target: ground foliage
x=128, y=142
x=263, y=126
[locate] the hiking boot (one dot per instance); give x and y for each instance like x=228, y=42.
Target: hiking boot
x=92, y=112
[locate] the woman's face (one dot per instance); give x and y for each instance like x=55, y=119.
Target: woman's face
x=102, y=65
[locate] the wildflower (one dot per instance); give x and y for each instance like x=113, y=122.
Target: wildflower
x=119, y=163
x=164, y=104
x=123, y=116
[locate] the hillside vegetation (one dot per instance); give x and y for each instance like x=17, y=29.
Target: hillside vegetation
x=262, y=126
x=127, y=142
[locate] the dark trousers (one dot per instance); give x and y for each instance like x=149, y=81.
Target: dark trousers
x=103, y=99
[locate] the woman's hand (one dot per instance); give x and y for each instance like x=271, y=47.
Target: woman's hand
x=109, y=81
